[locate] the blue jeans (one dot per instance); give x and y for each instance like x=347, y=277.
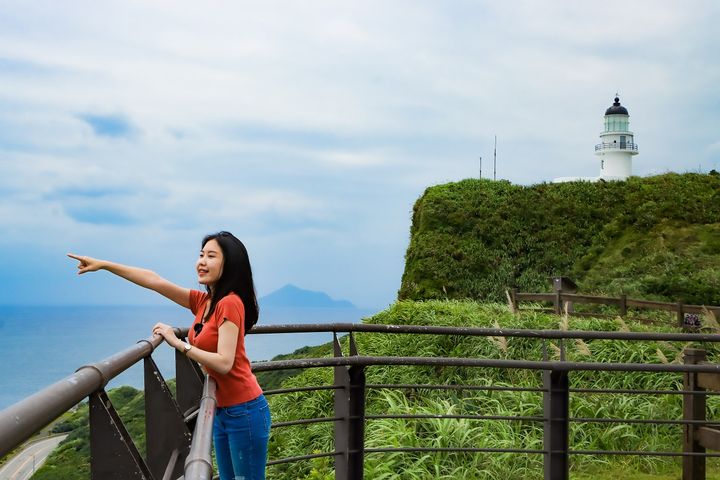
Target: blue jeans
x=240, y=434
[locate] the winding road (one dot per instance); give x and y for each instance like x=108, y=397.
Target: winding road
x=29, y=459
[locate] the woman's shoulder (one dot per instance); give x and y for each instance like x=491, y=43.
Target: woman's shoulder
x=199, y=293
x=231, y=307
x=231, y=299
x=197, y=299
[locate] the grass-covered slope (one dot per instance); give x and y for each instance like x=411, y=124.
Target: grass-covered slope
x=653, y=237
x=669, y=261
x=433, y=432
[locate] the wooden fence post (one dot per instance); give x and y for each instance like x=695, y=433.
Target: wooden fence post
x=680, y=315
x=693, y=409
x=558, y=303
x=623, y=305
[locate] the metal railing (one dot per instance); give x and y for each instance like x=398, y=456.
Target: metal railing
x=349, y=390
x=617, y=146
x=172, y=451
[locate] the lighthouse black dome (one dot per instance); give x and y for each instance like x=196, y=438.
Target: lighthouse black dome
x=616, y=108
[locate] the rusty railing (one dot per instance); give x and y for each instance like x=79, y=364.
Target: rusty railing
x=172, y=451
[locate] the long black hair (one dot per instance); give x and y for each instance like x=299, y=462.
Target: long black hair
x=236, y=276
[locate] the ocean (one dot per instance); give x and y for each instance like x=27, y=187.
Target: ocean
x=41, y=345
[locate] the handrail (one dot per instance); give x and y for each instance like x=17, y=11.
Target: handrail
x=547, y=365
x=483, y=332
x=21, y=420
x=198, y=464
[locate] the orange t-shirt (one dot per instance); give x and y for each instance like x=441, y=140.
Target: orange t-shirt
x=239, y=385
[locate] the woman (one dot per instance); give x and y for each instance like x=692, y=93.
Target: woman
x=223, y=316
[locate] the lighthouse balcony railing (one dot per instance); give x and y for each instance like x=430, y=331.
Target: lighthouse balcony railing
x=617, y=146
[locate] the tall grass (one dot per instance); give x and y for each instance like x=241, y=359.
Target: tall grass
x=469, y=433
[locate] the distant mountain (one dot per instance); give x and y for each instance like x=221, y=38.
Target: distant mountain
x=292, y=296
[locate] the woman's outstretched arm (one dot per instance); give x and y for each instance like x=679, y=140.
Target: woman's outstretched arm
x=139, y=276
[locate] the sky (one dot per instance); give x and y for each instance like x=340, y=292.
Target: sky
x=130, y=129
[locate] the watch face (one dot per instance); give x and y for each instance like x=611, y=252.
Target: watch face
x=187, y=347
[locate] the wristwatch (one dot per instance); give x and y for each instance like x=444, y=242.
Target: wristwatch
x=186, y=347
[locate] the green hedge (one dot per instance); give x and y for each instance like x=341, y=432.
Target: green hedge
x=653, y=237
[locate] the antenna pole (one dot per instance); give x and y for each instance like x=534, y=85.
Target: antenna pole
x=481, y=168
x=495, y=160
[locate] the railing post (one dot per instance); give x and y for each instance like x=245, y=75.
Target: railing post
x=188, y=382
x=113, y=455
x=693, y=409
x=680, y=315
x=350, y=411
x=623, y=305
x=556, y=403
x=558, y=302
x=167, y=437
x=198, y=463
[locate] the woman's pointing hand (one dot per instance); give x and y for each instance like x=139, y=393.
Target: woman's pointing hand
x=87, y=264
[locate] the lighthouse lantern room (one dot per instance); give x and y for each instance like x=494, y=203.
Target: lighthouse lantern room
x=616, y=147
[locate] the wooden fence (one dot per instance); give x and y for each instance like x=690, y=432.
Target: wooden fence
x=698, y=434
x=688, y=316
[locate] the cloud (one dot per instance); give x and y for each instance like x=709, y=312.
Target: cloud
x=25, y=69
x=113, y=126
x=313, y=128
x=99, y=215
x=91, y=192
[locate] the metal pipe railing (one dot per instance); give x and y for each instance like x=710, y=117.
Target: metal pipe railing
x=556, y=366
x=21, y=420
x=198, y=464
x=485, y=332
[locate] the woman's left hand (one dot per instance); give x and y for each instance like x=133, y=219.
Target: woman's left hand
x=167, y=332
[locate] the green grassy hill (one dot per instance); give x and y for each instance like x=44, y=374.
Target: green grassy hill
x=654, y=237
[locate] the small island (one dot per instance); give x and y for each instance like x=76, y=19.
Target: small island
x=296, y=297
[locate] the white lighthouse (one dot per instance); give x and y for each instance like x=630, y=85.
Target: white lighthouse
x=616, y=147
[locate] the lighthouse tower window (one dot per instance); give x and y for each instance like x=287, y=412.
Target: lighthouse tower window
x=615, y=124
